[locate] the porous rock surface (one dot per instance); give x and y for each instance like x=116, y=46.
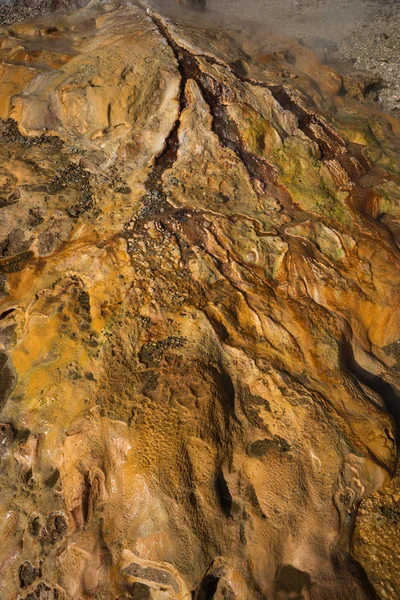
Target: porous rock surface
x=199, y=324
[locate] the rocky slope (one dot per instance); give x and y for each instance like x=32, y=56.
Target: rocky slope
x=199, y=321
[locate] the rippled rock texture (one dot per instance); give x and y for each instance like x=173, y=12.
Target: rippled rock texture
x=199, y=324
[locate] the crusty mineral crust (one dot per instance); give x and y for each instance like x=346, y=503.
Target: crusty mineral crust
x=199, y=324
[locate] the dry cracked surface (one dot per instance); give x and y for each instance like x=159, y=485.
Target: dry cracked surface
x=199, y=318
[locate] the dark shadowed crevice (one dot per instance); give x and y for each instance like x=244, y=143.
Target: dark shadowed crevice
x=5, y=313
x=168, y=156
x=8, y=378
x=223, y=493
x=387, y=392
x=226, y=391
x=208, y=588
x=356, y=578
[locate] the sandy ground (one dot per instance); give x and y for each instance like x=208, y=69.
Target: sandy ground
x=355, y=35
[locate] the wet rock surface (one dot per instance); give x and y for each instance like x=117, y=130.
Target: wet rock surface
x=199, y=319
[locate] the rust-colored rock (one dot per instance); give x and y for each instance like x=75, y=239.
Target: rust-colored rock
x=199, y=321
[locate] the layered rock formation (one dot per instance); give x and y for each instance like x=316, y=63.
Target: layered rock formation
x=199, y=321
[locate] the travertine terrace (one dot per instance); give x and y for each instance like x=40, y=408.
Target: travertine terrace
x=199, y=317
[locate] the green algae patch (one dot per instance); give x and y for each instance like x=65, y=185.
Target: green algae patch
x=257, y=133
x=309, y=181
x=390, y=194
x=375, y=135
x=324, y=238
